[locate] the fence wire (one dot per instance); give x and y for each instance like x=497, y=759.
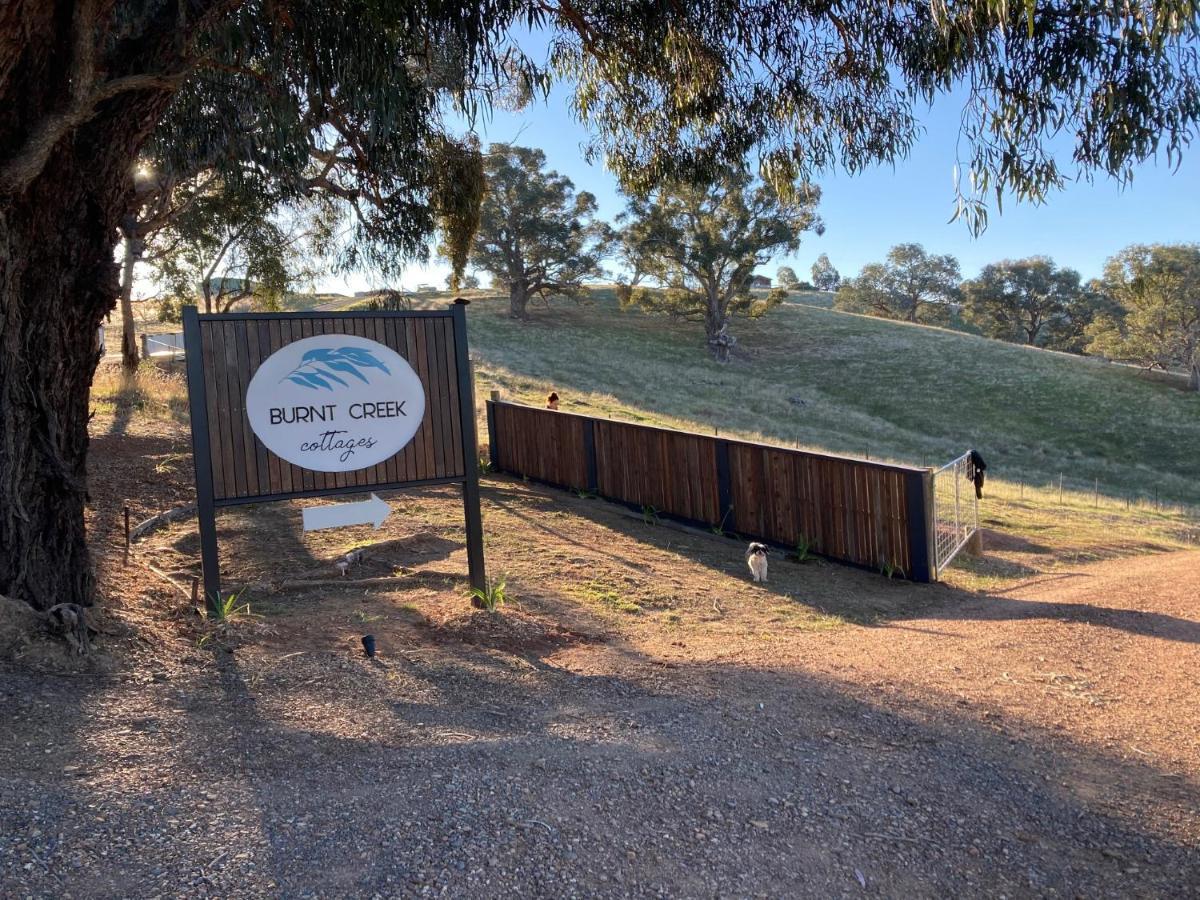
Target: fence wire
x=955, y=509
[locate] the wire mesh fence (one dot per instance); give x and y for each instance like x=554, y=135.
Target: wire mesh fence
x=955, y=509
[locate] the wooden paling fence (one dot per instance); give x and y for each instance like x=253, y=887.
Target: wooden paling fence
x=869, y=514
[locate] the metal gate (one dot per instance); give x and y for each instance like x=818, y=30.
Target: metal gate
x=955, y=510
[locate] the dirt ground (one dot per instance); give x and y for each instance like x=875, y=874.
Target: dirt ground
x=638, y=720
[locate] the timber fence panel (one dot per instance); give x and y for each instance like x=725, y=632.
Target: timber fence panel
x=866, y=513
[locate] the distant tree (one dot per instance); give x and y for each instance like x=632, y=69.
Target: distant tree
x=1030, y=301
x=233, y=246
x=462, y=282
x=786, y=276
x=159, y=200
x=699, y=246
x=911, y=285
x=1069, y=333
x=170, y=310
x=388, y=300
x=536, y=237
x=1157, y=289
x=824, y=276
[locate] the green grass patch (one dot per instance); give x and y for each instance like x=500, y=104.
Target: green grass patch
x=842, y=383
x=598, y=593
x=798, y=616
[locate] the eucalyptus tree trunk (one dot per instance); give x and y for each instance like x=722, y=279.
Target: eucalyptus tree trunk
x=716, y=328
x=518, y=299
x=59, y=219
x=57, y=280
x=133, y=253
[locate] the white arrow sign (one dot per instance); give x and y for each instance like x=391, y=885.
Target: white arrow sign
x=372, y=511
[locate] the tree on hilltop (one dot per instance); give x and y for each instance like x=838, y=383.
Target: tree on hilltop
x=824, y=276
x=699, y=246
x=1157, y=290
x=910, y=284
x=1031, y=301
x=537, y=237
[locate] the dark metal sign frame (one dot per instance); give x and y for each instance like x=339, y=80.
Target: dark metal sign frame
x=207, y=503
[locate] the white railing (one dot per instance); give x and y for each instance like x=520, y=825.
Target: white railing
x=167, y=343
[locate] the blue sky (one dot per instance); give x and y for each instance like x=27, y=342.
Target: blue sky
x=866, y=214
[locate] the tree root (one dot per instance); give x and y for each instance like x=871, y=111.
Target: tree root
x=68, y=621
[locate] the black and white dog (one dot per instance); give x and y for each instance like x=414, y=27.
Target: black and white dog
x=756, y=558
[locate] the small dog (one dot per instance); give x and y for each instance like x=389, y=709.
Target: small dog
x=756, y=559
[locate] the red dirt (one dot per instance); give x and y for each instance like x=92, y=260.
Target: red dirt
x=639, y=720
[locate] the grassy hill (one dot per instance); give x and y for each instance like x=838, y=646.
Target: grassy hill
x=858, y=385
x=823, y=299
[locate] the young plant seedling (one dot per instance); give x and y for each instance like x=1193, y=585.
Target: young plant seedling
x=227, y=610
x=804, y=552
x=492, y=596
x=719, y=528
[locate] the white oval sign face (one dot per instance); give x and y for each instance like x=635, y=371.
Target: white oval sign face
x=335, y=403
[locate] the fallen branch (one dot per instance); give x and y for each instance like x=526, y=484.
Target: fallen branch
x=169, y=579
x=154, y=523
x=670, y=524
x=393, y=580
x=532, y=822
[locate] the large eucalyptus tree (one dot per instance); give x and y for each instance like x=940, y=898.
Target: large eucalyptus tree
x=537, y=237
x=698, y=246
x=279, y=89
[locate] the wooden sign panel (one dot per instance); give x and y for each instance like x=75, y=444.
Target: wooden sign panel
x=288, y=405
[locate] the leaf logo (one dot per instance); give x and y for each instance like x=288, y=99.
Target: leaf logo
x=319, y=369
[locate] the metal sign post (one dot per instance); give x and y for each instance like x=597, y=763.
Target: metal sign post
x=290, y=405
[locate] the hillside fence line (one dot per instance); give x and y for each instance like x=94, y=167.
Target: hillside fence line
x=871, y=514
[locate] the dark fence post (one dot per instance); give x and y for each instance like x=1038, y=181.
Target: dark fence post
x=724, y=488
x=493, y=438
x=918, y=525
x=589, y=455
x=206, y=512
x=470, y=439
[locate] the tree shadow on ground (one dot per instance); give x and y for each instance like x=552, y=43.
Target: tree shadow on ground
x=473, y=773
x=266, y=542
x=843, y=591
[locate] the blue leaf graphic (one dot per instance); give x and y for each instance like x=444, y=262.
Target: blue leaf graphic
x=343, y=366
x=311, y=380
x=363, y=358
x=325, y=373
x=315, y=367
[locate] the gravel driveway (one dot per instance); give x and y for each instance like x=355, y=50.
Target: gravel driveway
x=478, y=774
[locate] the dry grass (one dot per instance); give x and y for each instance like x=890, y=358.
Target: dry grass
x=861, y=386
x=633, y=367
x=1029, y=531
x=150, y=393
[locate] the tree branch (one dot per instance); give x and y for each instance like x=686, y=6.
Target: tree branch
x=19, y=170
